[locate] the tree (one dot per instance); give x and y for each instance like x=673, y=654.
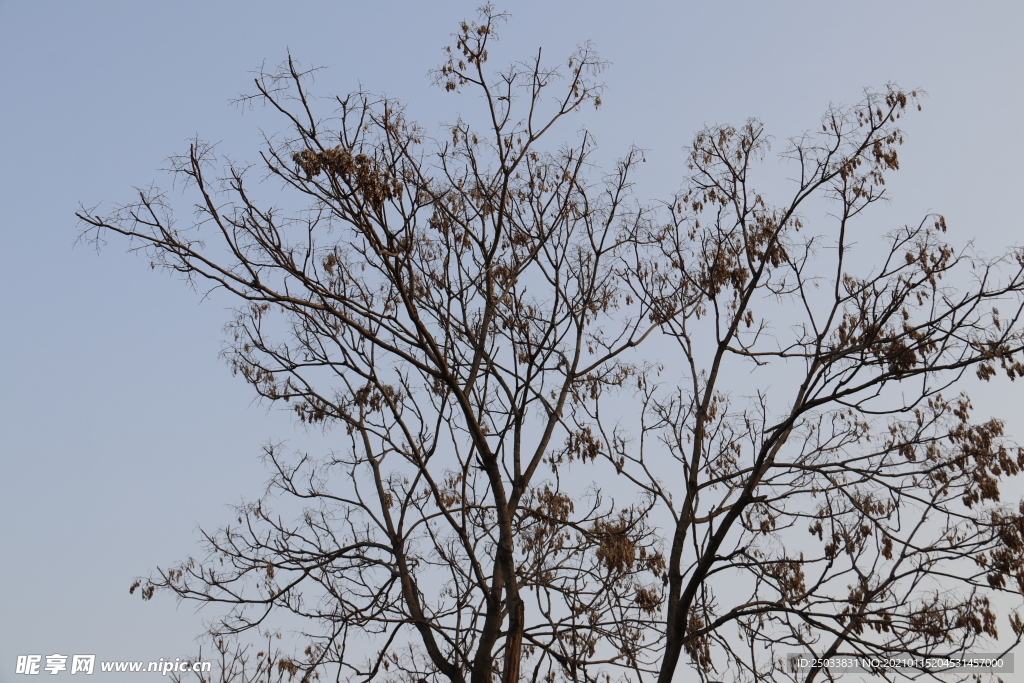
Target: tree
x=477, y=319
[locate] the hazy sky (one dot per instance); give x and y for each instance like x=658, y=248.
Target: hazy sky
x=121, y=428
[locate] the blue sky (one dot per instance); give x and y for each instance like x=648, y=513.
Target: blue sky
x=122, y=430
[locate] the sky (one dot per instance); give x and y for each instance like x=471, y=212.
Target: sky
x=123, y=430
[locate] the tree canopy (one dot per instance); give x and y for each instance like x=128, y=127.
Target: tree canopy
x=582, y=436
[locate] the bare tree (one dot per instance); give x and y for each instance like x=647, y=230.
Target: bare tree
x=479, y=321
